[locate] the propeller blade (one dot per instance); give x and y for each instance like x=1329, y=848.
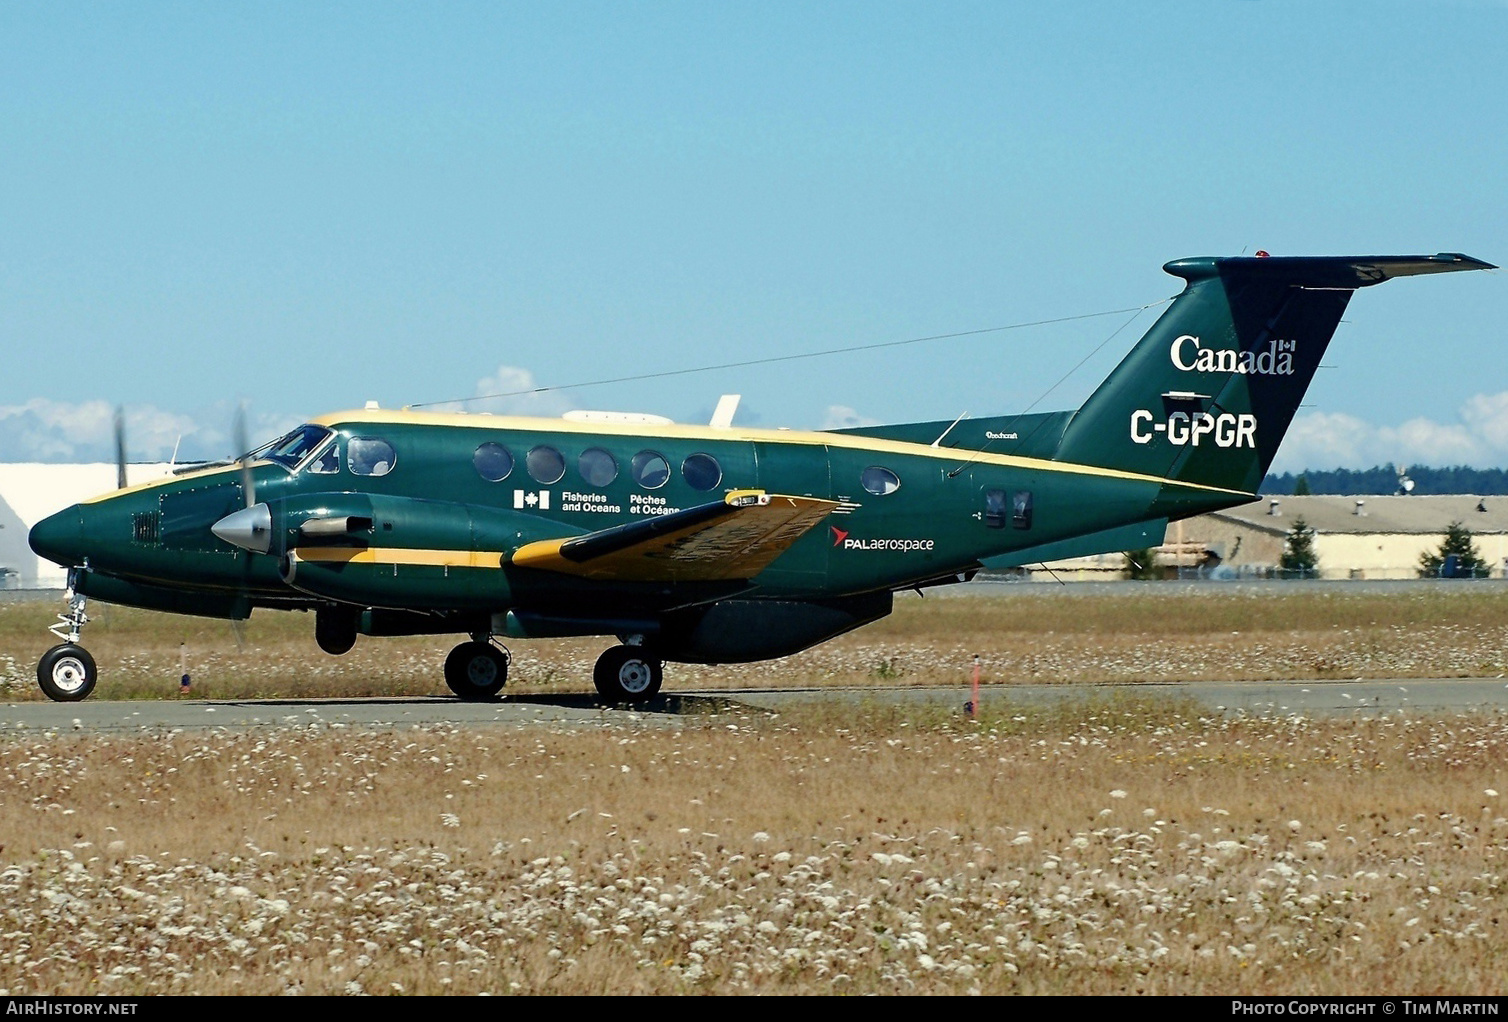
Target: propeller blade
x=248, y=482
x=120, y=447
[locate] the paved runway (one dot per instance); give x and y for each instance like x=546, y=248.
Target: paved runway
x=1419, y=697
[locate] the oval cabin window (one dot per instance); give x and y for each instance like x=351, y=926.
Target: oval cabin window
x=370, y=456
x=650, y=470
x=598, y=468
x=493, y=462
x=545, y=464
x=879, y=481
x=702, y=471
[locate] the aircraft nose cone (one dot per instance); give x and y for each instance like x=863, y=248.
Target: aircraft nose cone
x=249, y=528
x=60, y=537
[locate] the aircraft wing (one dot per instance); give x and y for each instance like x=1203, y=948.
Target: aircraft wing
x=734, y=538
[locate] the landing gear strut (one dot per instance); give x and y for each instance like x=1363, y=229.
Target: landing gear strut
x=66, y=672
x=477, y=670
x=628, y=674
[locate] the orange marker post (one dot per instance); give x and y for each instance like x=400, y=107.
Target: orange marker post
x=974, y=702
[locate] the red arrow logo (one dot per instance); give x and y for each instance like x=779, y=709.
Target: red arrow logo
x=838, y=535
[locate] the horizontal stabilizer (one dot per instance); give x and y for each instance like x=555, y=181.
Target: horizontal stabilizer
x=1346, y=272
x=734, y=538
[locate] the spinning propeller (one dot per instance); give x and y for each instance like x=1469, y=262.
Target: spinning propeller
x=120, y=447
x=248, y=481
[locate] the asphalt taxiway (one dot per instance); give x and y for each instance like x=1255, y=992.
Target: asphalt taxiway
x=1413, y=697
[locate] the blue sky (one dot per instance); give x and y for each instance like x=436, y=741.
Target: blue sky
x=307, y=206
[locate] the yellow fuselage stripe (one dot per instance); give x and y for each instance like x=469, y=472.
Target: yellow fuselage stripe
x=400, y=555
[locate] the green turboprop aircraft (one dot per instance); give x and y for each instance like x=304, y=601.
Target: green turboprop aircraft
x=698, y=544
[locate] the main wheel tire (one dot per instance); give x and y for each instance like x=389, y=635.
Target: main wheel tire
x=476, y=671
x=335, y=630
x=67, y=673
x=627, y=674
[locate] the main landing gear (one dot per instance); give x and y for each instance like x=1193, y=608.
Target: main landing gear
x=477, y=670
x=335, y=629
x=66, y=672
x=628, y=674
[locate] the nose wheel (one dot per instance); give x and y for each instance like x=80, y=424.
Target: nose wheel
x=477, y=670
x=67, y=672
x=628, y=674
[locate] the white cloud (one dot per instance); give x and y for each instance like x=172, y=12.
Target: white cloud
x=55, y=431
x=844, y=417
x=1328, y=440
x=513, y=390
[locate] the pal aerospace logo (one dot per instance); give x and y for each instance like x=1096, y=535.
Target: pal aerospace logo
x=844, y=541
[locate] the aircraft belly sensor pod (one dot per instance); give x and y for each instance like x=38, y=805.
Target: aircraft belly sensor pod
x=707, y=544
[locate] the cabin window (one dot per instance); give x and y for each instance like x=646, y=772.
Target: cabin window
x=370, y=456
x=994, y=509
x=702, y=471
x=545, y=464
x=650, y=470
x=1021, y=509
x=598, y=468
x=879, y=481
x=327, y=462
x=493, y=462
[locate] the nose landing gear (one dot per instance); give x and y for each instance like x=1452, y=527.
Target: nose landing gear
x=66, y=672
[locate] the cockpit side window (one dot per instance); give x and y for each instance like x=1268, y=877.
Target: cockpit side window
x=291, y=449
x=327, y=461
x=370, y=456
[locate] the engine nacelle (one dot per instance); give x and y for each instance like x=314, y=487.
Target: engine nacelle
x=399, y=552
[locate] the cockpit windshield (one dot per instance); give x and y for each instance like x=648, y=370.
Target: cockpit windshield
x=289, y=450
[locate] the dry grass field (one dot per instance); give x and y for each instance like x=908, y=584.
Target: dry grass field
x=1028, y=633
x=1102, y=847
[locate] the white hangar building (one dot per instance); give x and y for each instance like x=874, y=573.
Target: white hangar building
x=31, y=492
x=1377, y=537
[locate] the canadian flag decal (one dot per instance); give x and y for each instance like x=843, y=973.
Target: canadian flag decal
x=528, y=499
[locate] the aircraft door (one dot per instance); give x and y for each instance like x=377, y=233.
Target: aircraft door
x=801, y=470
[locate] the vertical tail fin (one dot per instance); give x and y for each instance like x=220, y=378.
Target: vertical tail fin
x=1207, y=394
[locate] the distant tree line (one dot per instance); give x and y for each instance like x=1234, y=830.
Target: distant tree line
x=1385, y=479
